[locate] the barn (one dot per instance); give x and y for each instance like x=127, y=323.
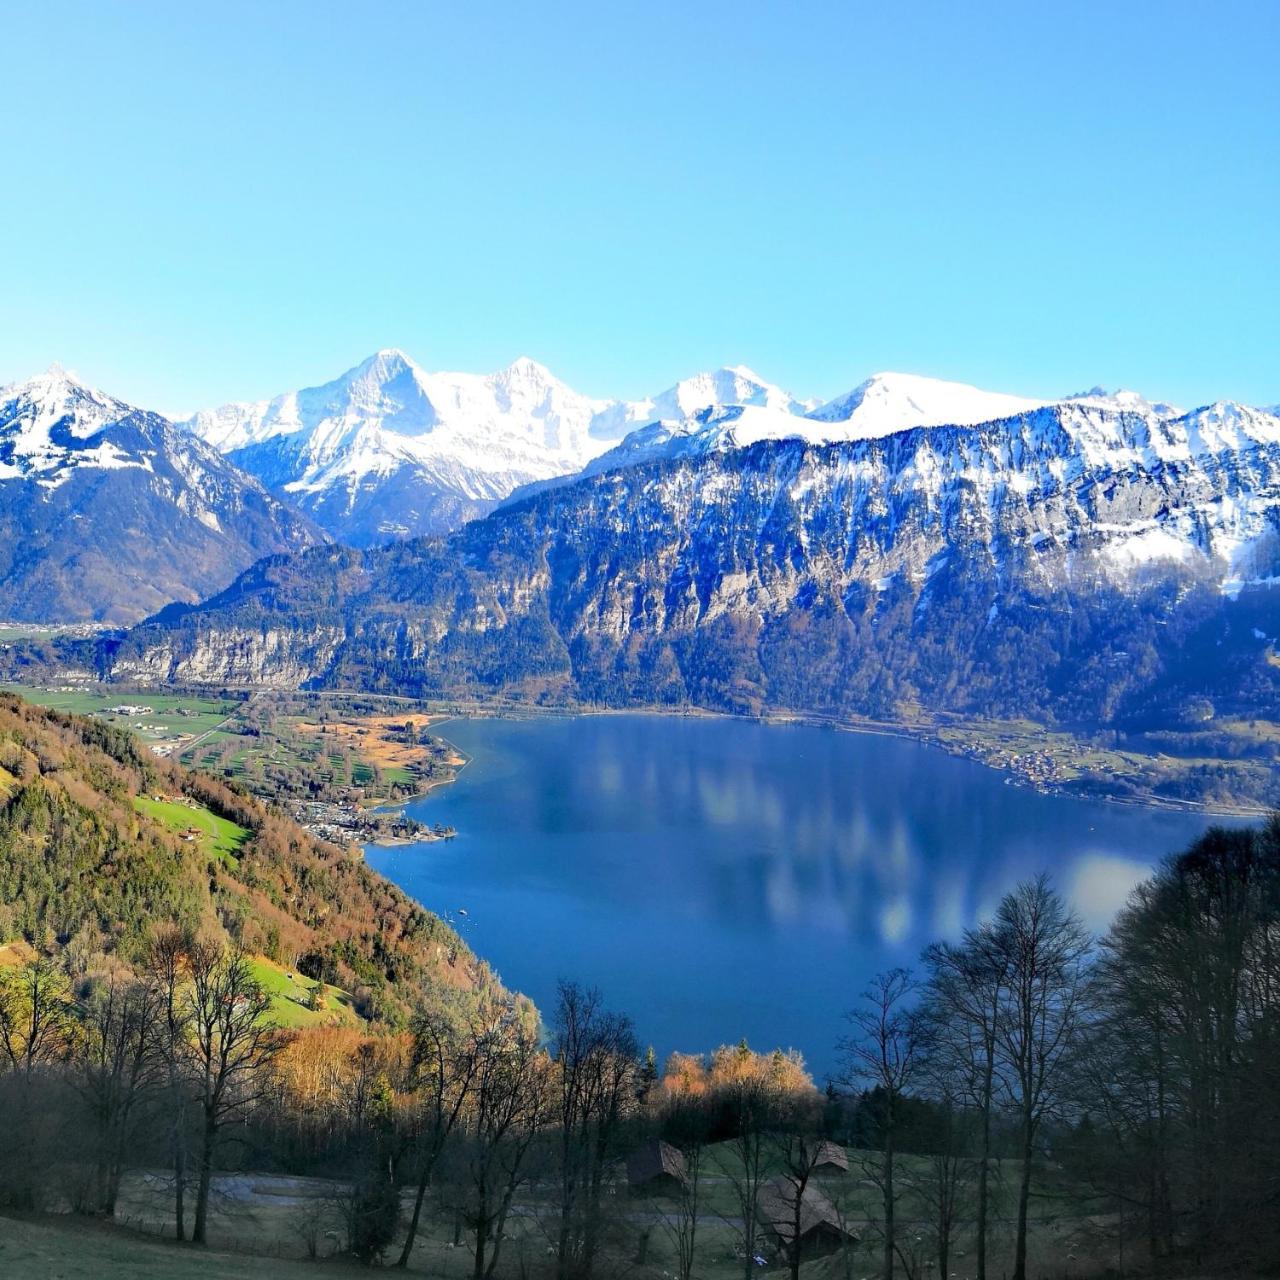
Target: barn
x=821, y=1230
x=830, y=1158
x=656, y=1169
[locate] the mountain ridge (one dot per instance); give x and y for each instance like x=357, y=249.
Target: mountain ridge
x=389, y=450
x=1072, y=565
x=108, y=511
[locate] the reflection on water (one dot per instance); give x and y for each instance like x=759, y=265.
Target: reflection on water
x=721, y=878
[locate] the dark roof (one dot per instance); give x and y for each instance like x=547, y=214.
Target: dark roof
x=776, y=1205
x=656, y=1159
x=831, y=1155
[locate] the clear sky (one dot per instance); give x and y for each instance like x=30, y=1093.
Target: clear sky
x=218, y=201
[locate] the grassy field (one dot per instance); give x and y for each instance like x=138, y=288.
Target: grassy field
x=290, y=745
x=15, y=632
x=293, y=754
x=290, y=992
x=218, y=836
x=262, y=1213
x=172, y=722
x=73, y=1248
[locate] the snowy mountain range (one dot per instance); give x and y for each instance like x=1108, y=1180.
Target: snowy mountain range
x=390, y=450
x=108, y=512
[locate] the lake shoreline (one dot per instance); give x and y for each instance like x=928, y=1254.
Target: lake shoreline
x=927, y=735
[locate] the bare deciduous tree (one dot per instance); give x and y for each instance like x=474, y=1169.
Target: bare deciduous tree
x=166, y=966
x=442, y=1071
x=1042, y=1016
x=962, y=1002
x=597, y=1062
x=884, y=1055
x=232, y=1042
x=36, y=1020
x=119, y=1064
x=687, y=1123
x=509, y=1107
x=751, y=1103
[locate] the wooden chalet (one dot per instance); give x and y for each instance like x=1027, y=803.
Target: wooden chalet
x=656, y=1169
x=821, y=1230
x=830, y=1157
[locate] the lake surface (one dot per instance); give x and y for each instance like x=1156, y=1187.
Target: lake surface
x=720, y=878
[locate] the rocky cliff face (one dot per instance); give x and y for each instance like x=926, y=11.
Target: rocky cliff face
x=1067, y=561
x=275, y=658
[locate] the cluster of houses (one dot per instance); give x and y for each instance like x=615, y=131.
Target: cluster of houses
x=1034, y=766
x=1038, y=767
x=659, y=1169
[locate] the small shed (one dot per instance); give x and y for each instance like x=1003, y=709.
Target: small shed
x=656, y=1169
x=821, y=1230
x=830, y=1157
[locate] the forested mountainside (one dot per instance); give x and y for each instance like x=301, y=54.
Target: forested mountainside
x=85, y=863
x=1073, y=563
x=108, y=512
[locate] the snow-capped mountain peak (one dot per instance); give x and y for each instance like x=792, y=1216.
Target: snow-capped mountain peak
x=529, y=387
x=719, y=389
x=1226, y=426
x=527, y=369
x=57, y=387
x=1123, y=401
x=888, y=402
x=458, y=441
x=107, y=510
x=53, y=422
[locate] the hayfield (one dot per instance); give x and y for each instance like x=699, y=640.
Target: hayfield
x=218, y=836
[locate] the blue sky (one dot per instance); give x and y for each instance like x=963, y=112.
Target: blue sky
x=226, y=201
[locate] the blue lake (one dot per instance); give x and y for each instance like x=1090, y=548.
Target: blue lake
x=720, y=878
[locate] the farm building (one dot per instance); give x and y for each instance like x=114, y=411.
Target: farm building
x=657, y=1168
x=830, y=1158
x=821, y=1230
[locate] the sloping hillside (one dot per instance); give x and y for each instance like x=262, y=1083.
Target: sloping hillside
x=92, y=856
